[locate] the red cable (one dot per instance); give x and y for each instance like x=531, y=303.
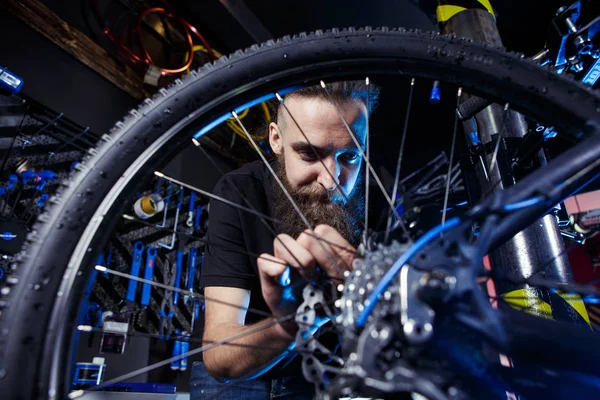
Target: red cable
x=133, y=58
x=140, y=62
x=190, y=42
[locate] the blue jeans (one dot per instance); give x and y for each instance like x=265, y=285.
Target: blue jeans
x=203, y=386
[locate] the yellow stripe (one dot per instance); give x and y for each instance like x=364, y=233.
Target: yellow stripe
x=445, y=12
x=527, y=300
x=488, y=6
x=574, y=301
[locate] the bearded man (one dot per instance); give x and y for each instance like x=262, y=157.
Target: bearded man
x=321, y=168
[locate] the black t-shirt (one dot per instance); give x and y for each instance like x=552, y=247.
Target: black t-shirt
x=236, y=237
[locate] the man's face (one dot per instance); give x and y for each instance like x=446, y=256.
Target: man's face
x=322, y=125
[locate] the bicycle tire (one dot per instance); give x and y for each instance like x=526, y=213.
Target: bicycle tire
x=40, y=306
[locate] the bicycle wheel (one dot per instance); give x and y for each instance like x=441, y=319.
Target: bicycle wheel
x=39, y=309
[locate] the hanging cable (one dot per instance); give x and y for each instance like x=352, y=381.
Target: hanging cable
x=188, y=38
x=146, y=61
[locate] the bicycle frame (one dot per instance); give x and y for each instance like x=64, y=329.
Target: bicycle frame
x=514, y=259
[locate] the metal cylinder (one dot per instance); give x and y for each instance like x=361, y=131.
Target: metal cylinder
x=538, y=250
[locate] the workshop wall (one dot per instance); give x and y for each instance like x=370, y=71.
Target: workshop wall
x=56, y=79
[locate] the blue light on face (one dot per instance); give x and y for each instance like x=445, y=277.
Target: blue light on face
x=238, y=110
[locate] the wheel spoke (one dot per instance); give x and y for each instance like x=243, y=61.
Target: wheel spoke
x=494, y=160
x=400, y=154
x=230, y=385
x=102, y=386
x=367, y=174
x=243, y=208
x=451, y=161
x=288, y=195
x=239, y=192
x=367, y=161
x=103, y=269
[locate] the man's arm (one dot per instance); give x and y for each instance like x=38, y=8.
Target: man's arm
x=223, y=321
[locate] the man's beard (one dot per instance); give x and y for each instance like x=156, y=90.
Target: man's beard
x=319, y=206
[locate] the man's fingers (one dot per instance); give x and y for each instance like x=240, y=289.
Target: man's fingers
x=296, y=256
x=329, y=249
x=270, y=266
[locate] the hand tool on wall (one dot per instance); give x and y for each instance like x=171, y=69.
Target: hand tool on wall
x=178, y=210
x=136, y=263
x=191, y=272
x=178, y=269
x=148, y=275
x=167, y=200
x=197, y=304
x=167, y=311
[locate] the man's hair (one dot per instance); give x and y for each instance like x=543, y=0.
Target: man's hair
x=341, y=92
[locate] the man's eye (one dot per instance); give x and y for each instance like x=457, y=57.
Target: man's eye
x=350, y=158
x=308, y=155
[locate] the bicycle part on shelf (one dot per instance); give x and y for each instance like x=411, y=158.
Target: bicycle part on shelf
x=21, y=166
x=114, y=333
x=180, y=348
x=148, y=275
x=148, y=206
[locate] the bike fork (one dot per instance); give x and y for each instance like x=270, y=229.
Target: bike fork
x=495, y=128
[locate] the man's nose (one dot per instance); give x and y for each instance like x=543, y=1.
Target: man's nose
x=329, y=176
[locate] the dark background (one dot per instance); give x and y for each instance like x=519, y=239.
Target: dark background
x=57, y=80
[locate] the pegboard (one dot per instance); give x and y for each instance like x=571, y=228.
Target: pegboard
x=109, y=290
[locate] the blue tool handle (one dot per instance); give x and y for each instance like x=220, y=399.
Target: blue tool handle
x=169, y=193
x=12, y=179
x=26, y=176
x=181, y=196
x=176, y=352
x=198, y=215
x=177, y=276
x=192, y=201
x=109, y=257
x=158, y=184
x=43, y=199
x=148, y=273
x=136, y=263
x=9, y=81
x=185, y=347
x=191, y=269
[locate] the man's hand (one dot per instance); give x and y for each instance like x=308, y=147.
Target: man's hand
x=280, y=273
